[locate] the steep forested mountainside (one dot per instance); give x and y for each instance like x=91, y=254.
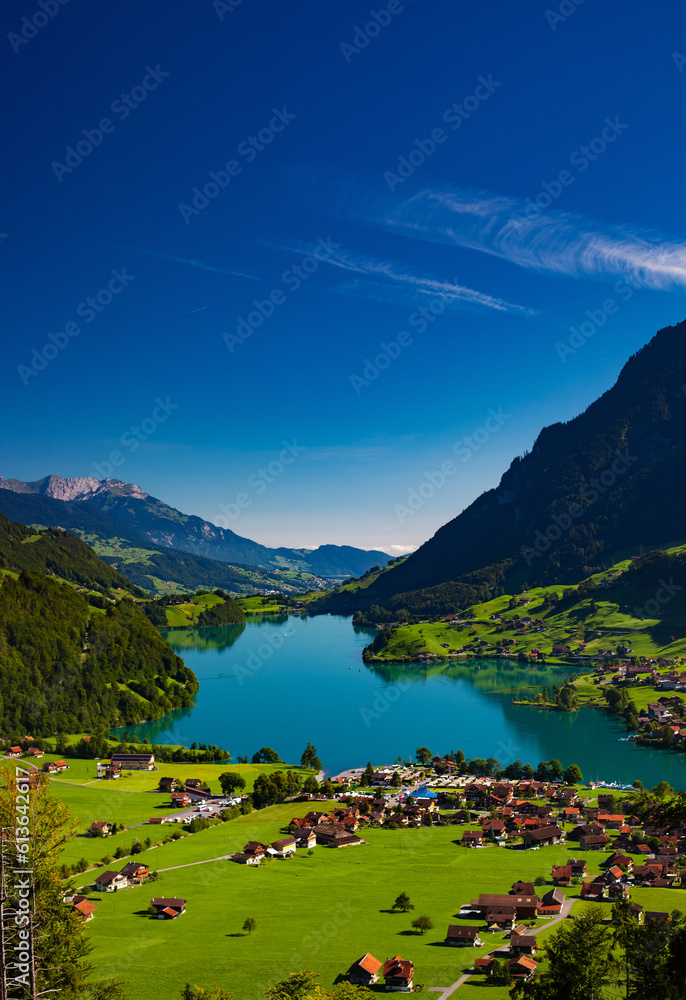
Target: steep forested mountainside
x=610, y=479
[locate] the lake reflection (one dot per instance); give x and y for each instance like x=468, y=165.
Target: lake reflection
x=280, y=682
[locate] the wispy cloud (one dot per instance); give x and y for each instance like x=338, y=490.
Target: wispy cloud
x=189, y=262
x=389, y=281
x=392, y=281
x=556, y=242
x=190, y=312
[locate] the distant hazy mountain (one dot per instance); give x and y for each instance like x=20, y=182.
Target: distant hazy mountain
x=156, y=521
x=152, y=567
x=604, y=483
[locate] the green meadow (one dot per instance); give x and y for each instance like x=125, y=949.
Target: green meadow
x=186, y=615
x=321, y=911
x=258, y=605
x=131, y=800
x=614, y=621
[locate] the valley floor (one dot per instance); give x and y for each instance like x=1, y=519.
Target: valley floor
x=321, y=911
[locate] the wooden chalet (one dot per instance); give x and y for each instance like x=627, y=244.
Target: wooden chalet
x=99, y=829
x=133, y=761
x=523, y=944
x=522, y=968
x=526, y=907
x=365, y=972
x=135, y=873
x=167, y=908
x=398, y=974
x=463, y=935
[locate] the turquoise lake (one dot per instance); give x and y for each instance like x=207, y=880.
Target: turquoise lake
x=280, y=682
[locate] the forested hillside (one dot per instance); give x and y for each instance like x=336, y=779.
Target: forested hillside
x=57, y=553
x=65, y=667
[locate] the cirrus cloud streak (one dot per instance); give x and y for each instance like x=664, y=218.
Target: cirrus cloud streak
x=508, y=228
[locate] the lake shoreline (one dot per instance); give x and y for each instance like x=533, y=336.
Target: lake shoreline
x=255, y=681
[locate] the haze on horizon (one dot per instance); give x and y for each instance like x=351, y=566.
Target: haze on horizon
x=316, y=258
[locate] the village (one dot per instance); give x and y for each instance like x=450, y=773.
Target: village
x=612, y=852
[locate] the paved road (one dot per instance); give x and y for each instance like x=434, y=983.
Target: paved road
x=447, y=991
x=191, y=864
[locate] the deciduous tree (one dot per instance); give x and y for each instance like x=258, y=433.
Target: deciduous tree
x=231, y=781
x=403, y=903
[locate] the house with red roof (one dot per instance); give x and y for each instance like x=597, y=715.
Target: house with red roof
x=365, y=972
x=83, y=907
x=522, y=968
x=168, y=908
x=398, y=974
x=99, y=829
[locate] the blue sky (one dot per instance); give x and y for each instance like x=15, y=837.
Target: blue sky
x=446, y=189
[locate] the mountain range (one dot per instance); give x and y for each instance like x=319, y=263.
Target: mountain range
x=591, y=490
x=153, y=541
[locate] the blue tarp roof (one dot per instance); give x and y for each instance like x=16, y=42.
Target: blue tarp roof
x=424, y=793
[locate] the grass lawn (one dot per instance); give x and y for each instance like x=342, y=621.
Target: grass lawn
x=188, y=614
x=262, y=606
x=82, y=771
x=131, y=800
x=322, y=911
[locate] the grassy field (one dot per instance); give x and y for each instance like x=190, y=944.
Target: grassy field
x=186, y=615
x=81, y=771
x=130, y=800
x=322, y=911
x=262, y=605
x=614, y=621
